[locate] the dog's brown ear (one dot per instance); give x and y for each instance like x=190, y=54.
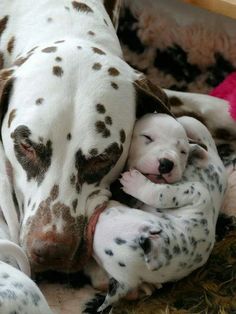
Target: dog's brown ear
x=150, y=98
x=6, y=83
x=113, y=9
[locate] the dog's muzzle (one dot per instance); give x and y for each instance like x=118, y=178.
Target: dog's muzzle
x=68, y=251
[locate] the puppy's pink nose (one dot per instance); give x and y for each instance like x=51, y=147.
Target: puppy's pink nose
x=165, y=165
x=46, y=252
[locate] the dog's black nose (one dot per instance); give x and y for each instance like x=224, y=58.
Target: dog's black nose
x=165, y=165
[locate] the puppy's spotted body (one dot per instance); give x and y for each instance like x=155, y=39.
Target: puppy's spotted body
x=174, y=232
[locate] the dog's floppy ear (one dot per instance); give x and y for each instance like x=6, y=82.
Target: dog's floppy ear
x=113, y=9
x=198, y=152
x=150, y=98
x=6, y=83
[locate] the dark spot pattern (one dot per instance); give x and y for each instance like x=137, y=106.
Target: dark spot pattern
x=109, y=252
x=1, y=60
x=74, y=204
x=122, y=136
x=102, y=129
x=114, y=85
x=175, y=101
x=34, y=167
x=58, y=59
x=60, y=41
x=49, y=49
x=113, y=286
x=39, y=101
x=113, y=71
x=97, y=66
x=98, y=51
x=91, y=33
x=145, y=244
x=93, y=152
x=108, y=120
x=119, y=241
x=10, y=44
x=100, y=108
x=11, y=117
x=19, y=61
x=68, y=136
x=3, y=24
x=82, y=7
x=56, y=70
x=93, y=169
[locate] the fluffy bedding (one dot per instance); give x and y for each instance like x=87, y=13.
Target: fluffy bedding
x=182, y=48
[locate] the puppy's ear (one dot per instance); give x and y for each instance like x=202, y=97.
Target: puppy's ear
x=150, y=98
x=6, y=83
x=198, y=153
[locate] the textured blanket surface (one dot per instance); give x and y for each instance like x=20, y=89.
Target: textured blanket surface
x=183, y=48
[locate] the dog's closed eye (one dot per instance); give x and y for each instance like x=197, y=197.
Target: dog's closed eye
x=147, y=137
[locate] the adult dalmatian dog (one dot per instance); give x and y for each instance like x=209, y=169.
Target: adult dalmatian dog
x=68, y=105
x=181, y=187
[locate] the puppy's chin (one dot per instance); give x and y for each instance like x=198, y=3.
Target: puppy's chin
x=156, y=178
x=163, y=179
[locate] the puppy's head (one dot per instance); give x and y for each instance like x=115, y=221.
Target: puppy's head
x=159, y=148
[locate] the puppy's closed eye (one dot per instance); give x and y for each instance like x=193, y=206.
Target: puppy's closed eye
x=147, y=137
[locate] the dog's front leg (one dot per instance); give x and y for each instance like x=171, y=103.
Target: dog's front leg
x=162, y=195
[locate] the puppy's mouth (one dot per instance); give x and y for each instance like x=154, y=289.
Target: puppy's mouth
x=156, y=178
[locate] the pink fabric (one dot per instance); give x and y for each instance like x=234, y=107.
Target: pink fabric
x=227, y=90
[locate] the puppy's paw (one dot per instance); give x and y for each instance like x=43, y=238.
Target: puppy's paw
x=133, y=182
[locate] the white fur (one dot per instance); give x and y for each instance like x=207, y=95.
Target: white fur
x=177, y=219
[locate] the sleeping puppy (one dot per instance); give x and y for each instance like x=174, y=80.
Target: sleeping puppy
x=181, y=187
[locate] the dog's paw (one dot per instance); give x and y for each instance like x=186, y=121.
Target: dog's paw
x=133, y=182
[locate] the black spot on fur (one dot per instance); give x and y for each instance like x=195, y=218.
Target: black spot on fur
x=109, y=252
x=145, y=244
x=113, y=285
x=92, y=306
x=119, y=241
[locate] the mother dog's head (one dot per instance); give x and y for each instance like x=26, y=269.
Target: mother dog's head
x=66, y=132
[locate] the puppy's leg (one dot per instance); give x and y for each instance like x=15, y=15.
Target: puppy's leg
x=116, y=291
x=162, y=195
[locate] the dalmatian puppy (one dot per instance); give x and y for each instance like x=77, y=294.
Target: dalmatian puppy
x=181, y=186
x=18, y=293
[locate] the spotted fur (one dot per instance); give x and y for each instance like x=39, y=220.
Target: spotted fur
x=175, y=231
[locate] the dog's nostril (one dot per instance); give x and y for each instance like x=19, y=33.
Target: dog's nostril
x=165, y=165
x=43, y=251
